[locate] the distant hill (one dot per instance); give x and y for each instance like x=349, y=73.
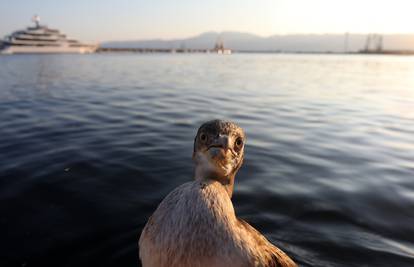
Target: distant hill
x=285, y=43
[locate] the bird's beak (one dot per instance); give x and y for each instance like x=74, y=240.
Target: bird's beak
x=222, y=141
x=220, y=148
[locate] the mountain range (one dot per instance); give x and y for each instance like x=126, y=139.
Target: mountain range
x=240, y=41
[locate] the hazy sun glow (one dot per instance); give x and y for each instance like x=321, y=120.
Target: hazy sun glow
x=324, y=16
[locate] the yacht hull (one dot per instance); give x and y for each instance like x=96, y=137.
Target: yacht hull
x=47, y=50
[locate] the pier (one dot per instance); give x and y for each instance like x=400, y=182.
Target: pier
x=154, y=50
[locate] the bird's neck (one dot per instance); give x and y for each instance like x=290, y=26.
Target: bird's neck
x=229, y=185
x=227, y=181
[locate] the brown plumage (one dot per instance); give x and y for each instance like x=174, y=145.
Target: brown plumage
x=272, y=256
x=195, y=225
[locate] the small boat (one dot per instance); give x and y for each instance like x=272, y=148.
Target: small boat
x=41, y=39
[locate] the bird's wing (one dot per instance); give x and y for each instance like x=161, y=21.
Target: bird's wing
x=270, y=256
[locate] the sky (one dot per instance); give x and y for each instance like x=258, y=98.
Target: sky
x=104, y=20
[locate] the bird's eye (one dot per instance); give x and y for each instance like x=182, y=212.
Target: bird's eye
x=239, y=142
x=203, y=137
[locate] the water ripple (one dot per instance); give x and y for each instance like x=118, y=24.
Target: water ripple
x=91, y=144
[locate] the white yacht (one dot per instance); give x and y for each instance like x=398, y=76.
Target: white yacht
x=41, y=39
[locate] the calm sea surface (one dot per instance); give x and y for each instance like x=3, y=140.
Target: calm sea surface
x=89, y=145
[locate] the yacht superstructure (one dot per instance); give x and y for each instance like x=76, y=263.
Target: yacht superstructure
x=41, y=39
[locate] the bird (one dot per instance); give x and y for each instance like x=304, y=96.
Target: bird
x=195, y=224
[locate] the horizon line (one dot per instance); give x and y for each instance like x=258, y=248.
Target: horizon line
x=257, y=35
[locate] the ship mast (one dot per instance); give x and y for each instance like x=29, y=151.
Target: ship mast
x=36, y=19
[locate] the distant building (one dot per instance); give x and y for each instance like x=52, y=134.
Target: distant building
x=219, y=48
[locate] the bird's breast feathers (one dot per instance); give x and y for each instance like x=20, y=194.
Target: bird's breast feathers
x=193, y=223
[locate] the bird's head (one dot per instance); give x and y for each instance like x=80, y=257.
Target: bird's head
x=218, y=151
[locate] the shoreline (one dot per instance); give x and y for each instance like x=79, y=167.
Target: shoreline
x=212, y=51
